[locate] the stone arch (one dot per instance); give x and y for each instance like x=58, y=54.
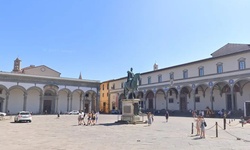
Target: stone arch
x=160, y=101
x=203, y=88
x=17, y=99
x=121, y=97
x=184, y=94
x=90, y=101
x=64, y=100
x=150, y=100
x=33, y=103
x=3, y=91
x=76, y=101
x=49, y=100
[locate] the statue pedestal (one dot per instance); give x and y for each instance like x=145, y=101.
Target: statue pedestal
x=130, y=111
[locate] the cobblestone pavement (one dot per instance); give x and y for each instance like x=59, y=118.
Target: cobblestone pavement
x=47, y=132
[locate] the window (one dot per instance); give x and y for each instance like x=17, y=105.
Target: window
x=171, y=76
x=171, y=100
x=113, y=87
x=197, y=99
x=219, y=68
x=102, y=94
x=185, y=74
x=149, y=80
x=159, y=78
x=201, y=71
x=242, y=63
x=107, y=94
x=103, y=87
x=108, y=86
x=122, y=85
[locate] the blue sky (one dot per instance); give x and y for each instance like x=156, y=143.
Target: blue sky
x=102, y=39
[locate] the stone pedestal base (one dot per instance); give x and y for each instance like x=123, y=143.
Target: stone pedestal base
x=130, y=111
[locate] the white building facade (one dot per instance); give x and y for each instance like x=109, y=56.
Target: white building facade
x=219, y=82
x=41, y=90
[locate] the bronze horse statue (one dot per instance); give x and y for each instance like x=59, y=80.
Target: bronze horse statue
x=131, y=86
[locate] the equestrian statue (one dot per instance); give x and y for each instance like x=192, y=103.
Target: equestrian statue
x=132, y=83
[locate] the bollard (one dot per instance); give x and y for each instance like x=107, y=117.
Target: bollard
x=192, y=129
x=216, y=125
x=229, y=121
x=242, y=123
x=224, y=123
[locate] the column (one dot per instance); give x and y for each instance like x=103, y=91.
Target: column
x=80, y=102
x=68, y=103
x=211, y=99
x=194, y=99
x=98, y=102
x=83, y=103
x=7, y=102
x=232, y=98
x=71, y=99
x=166, y=98
x=41, y=104
x=24, y=101
x=56, y=107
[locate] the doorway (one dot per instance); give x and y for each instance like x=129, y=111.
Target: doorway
x=229, y=104
x=183, y=103
x=47, y=106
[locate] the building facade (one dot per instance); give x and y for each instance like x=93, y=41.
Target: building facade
x=104, y=97
x=219, y=82
x=40, y=89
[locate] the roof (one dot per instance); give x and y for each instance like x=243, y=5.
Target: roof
x=230, y=48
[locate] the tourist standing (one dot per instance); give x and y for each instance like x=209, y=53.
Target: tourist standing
x=202, y=126
x=198, y=125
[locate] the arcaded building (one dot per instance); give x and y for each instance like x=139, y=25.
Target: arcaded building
x=218, y=82
x=40, y=89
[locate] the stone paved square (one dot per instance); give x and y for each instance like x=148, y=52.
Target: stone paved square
x=49, y=132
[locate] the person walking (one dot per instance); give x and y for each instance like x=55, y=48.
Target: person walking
x=149, y=115
x=167, y=115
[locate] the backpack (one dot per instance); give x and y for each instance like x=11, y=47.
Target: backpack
x=205, y=124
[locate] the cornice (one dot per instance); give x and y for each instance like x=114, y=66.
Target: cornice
x=40, y=80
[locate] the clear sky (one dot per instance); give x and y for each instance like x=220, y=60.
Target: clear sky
x=102, y=39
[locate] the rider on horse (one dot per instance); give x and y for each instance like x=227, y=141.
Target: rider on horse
x=130, y=76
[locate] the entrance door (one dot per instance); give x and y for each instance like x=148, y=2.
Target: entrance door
x=47, y=106
x=86, y=108
x=183, y=103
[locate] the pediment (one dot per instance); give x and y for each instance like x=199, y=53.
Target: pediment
x=41, y=71
x=231, y=49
